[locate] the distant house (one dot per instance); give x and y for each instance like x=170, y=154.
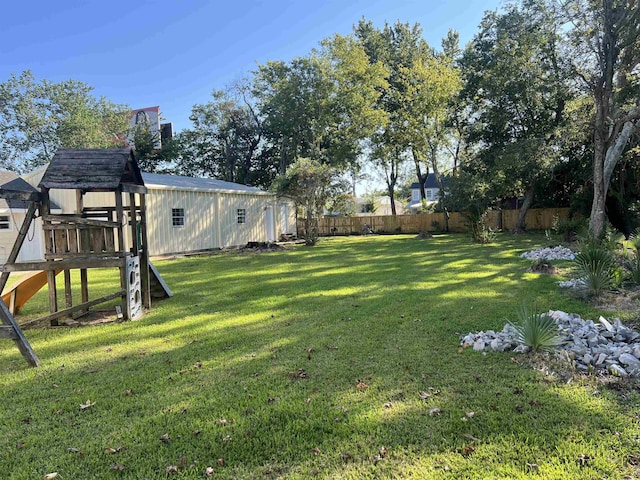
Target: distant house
x=187, y=214
x=382, y=206
x=431, y=191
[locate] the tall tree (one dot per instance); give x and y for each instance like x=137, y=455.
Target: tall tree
x=223, y=141
x=37, y=118
x=517, y=89
x=320, y=106
x=605, y=36
x=310, y=183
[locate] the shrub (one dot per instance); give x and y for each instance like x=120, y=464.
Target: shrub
x=596, y=265
x=540, y=332
x=569, y=227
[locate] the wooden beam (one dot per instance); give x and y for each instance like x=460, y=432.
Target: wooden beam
x=145, y=278
x=63, y=264
x=84, y=283
x=8, y=332
x=130, y=188
x=77, y=220
x=76, y=308
x=79, y=255
x=21, y=341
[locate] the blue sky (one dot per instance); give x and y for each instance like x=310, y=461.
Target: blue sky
x=174, y=53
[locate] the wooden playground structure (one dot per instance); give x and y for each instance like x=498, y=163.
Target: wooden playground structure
x=92, y=237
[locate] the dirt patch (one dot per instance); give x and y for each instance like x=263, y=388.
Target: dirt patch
x=423, y=236
x=545, y=268
x=620, y=301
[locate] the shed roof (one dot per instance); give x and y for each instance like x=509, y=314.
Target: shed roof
x=177, y=182
x=105, y=169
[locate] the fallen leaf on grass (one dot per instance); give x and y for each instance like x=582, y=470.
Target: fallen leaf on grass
x=388, y=405
x=128, y=393
x=309, y=352
x=315, y=451
x=330, y=347
x=51, y=476
x=118, y=467
x=583, y=460
x=73, y=450
x=424, y=395
x=171, y=469
x=468, y=450
x=434, y=411
x=89, y=404
x=518, y=408
x=209, y=471
x=111, y=450
x=518, y=391
x=221, y=462
x=196, y=432
x=383, y=451
x=376, y=459
x=470, y=437
x=346, y=456
x=532, y=466
x=198, y=365
x=471, y=414
x=361, y=385
x=26, y=420
x=165, y=438
x=20, y=445
x=534, y=403
x=226, y=438
x=301, y=373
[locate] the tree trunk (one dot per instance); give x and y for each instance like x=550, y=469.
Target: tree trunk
x=421, y=179
x=524, y=208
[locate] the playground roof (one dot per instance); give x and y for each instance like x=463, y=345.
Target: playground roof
x=94, y=170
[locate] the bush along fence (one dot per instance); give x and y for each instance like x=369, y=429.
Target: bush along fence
x=536, y=219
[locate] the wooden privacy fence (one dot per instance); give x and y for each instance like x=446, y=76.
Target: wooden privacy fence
x=536, y=219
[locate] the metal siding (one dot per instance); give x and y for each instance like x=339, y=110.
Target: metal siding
x=234, y=234
x=199, y=232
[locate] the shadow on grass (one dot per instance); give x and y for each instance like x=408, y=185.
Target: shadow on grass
x=312, y=373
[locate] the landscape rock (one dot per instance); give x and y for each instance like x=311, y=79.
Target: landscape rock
x=601, y=347
x=550, y=253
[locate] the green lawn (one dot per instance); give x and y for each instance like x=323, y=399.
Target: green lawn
x=311, y=363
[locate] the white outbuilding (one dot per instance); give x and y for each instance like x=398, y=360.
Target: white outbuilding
x=188, y=214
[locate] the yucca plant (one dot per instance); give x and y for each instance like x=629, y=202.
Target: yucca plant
x=632, y=264
x=539, y=332
x=596, y=264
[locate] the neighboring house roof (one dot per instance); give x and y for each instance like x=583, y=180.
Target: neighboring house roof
x=431, y=182
x=177, y=182
x=99, y=169
x=11, y=181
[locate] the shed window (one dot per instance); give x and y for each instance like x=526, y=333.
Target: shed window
x=429, y=193
x=242, y=215
x=177, y=217
x=5, y=223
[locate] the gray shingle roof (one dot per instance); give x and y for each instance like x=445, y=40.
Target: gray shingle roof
x=431, y=182
x=11, y=181
x=177, y=182
x=102, y=169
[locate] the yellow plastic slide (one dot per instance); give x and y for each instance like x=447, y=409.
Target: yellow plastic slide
x=18, y=294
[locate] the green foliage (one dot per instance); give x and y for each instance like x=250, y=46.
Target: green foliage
x=569, y=228
x=596, y=265
x=311, y=184
x=37, y=118
x=537, y=331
